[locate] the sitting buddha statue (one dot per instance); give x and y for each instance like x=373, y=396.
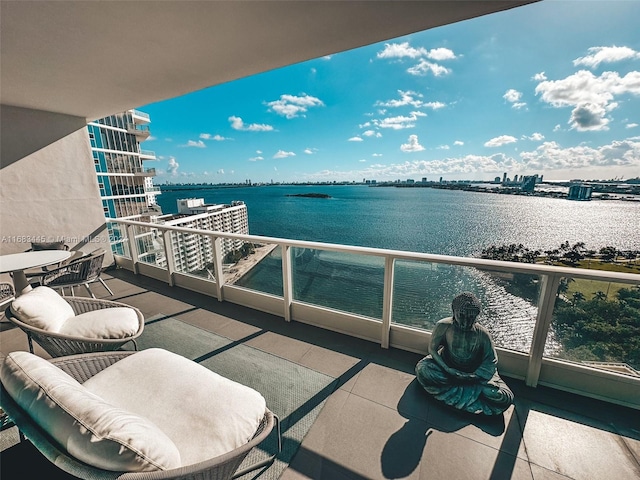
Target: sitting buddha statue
x=461, y=368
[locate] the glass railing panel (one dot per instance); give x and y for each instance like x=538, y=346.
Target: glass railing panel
x=150, y=245
x=260, y=270
x=423, y=291
x=343, y=281
x=597, y=323
x=118, y=239
x=193, y=254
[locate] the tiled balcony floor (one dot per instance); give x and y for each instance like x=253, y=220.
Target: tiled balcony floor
x=379, y=425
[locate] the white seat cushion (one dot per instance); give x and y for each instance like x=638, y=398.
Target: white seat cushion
x=116, y=322
x=85, y=425
x=203, y=413
x=42, y=308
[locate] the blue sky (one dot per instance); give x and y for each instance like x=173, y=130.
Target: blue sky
x=551, y=88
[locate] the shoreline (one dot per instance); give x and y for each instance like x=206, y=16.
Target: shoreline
x=244, y=265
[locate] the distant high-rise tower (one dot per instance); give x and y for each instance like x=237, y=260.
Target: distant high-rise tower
x=504, y=177
x=580, y=192
x=126, y=187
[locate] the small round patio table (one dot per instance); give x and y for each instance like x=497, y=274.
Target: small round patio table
x=17, y=263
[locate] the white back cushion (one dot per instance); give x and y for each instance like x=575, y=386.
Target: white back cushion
x=85, y=425
x=42, y=308
x=203, y=413
x=116, y=322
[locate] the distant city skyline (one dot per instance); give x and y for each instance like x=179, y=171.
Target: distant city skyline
x=551, y=88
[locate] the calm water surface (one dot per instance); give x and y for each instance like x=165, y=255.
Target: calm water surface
x=420, y=220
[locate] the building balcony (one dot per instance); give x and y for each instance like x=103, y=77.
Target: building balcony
x=140, y=117
x=142, y=132
x=374, y=422
x=147, y=155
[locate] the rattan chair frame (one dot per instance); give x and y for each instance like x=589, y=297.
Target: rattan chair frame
x=84, y=366
x=59, y=345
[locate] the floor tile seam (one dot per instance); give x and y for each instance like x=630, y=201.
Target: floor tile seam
x=568, y=477
x=432, y=426
x=630, y=451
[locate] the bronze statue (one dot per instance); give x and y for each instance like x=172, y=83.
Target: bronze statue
x=461, y=368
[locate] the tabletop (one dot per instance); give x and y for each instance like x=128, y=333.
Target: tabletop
x=20, y=261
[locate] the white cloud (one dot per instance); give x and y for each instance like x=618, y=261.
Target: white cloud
x=220, y=172
x=443, y=147
x=412, y=145
x=372, y=133
x=441, y=54
x=500, y=141
x=401, y=50
x=424, y=67
x=193, y=143
x=173, y=166
x=539, y=77
x=362, y=160
x=256, y=159
x=404, y=50
x=376, y=155
x=355, y=139
x=513, y=96
x=238, y=124
x=536, y=137
x=406, y=98
x=291, y=106
x=310, y=151
x=551, y=156
x=435, y=105
x=151, y=138
x=283, y=154
x=458, y=143
x=598, y=55
x=631, y=125
x=592, y=97
x=217, y=138
x=399, y=122
x=409, y=98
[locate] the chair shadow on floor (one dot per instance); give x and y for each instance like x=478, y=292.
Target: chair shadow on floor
x=402, y=453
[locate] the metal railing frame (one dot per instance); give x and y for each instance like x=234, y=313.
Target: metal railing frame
x=550, y=276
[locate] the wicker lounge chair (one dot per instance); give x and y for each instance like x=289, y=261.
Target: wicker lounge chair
x=7, y=293
x=82, y=368
x=57, y=343
x=78, y=271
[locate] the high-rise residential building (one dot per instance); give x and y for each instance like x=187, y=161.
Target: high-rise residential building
x=192, y=252
x=126, y=186
x=580, y=192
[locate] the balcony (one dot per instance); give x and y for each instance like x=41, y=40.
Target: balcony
x=375, y=423
x=140, y=131
x=401, y=295
x=147, y=154
x=140, y=117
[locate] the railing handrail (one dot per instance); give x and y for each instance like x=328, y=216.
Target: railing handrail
x=482, y=263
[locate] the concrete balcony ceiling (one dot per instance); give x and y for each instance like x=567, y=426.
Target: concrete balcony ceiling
x=57, y=54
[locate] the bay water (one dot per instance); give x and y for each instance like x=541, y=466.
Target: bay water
x=428, y=220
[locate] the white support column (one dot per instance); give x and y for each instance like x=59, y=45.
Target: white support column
x=387, y=300
x=217, y=263
x=168, y=255
x=546, y=303
x=133, y=247
x=287, y=281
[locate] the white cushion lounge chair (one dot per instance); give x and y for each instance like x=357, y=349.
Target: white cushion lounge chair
x=125, y=415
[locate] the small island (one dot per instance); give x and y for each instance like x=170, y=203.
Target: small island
x=310, y=195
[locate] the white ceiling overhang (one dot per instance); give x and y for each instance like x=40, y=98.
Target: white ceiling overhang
x=93, y=58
